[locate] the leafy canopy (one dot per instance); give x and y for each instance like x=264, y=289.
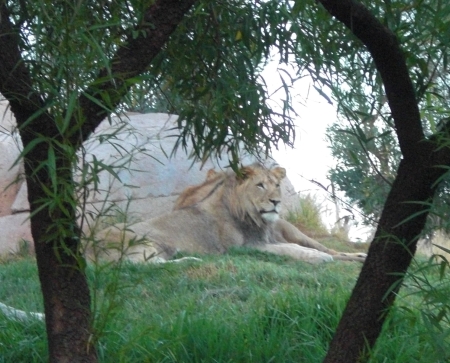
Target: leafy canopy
x=208, y=73
x=363, y=139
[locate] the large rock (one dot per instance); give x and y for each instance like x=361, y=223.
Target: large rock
x=144, y=173
x=15, y=233
x=20, y=203
x=9, y=173
x=137, y=152
x=10, y=147
x=7, y=121
x=137, y=176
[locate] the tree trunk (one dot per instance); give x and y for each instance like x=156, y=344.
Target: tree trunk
x=389, y=256
x=66, y=301
x=56, y=237
x=48, y=169
x=405, y=211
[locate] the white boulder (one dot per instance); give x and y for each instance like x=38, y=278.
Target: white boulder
x=137, y=175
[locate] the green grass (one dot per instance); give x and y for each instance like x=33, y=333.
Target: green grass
x=244, y=306
x=343, y=245
x=307, y=217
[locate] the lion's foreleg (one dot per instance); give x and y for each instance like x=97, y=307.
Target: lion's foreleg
x=295, y=251
x=286, y=232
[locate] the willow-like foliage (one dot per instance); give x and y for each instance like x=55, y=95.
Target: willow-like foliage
x=363, y=139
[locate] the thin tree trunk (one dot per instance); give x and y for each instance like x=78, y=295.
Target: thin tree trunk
x=67, y=305
x=52, y=199
x=63, y=282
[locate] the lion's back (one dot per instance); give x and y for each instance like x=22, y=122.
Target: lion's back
x=204, y=229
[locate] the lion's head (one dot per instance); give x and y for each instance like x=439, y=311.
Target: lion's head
x=253, y=194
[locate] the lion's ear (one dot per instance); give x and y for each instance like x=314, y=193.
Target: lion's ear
x=246, y=172
x=211, y=174
x=279, y=172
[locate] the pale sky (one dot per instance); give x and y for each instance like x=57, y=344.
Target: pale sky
x=311, y=157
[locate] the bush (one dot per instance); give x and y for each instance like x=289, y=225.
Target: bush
x=307, y=217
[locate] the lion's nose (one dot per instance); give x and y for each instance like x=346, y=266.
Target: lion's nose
x=275, y=202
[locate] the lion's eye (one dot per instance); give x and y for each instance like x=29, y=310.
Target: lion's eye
x=277, y=185
x=260, y=185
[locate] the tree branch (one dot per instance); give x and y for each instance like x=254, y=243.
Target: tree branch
x=131, y=59
x=15, y=80
x=14, y=77
x=389, y=60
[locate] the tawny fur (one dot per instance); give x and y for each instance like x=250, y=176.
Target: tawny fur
x=226, y=210
x=282, y=230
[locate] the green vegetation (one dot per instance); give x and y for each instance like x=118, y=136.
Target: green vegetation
x=245, y=306
x=361, y=139
x=66, y=66
x=307, y=218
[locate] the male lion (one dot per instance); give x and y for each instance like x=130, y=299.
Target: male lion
x=282, y=230
x=227, y=210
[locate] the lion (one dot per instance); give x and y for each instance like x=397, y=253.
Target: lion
x=282, y=230
x=229, y=209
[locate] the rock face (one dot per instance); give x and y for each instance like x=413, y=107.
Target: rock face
x=149, y=178
x=141, y=170
x=14, y=227
x=15, y=230
x=137, y=177
x=10, y=147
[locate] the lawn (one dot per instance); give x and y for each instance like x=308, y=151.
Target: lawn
x=244, y=306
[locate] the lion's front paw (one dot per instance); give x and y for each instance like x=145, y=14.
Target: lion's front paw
x=357, y=254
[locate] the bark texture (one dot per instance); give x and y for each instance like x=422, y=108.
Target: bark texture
x=63, y=281
x=404, y=214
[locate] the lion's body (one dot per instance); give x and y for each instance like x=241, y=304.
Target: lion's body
x=226, y=210
x=281, y=231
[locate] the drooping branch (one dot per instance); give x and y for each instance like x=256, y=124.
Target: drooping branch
x=131, y=59
x=405, y=211
x=389, y=60
x=15, y=79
